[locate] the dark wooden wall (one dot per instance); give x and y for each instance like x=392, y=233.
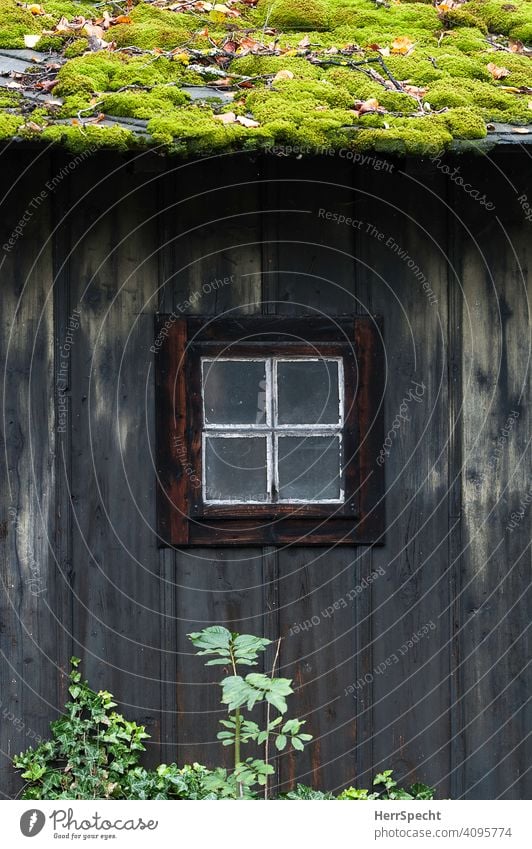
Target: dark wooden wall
x=81, y=571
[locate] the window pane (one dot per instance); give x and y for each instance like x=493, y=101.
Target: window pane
x=309, y=468
x=307, y=392
x=234, y=392
x=235, y=468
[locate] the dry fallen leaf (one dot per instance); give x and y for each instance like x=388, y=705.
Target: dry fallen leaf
x=516, y=46
x=283, y=75
x=446, y=6
x=226, y=117
x=47, y=85
x=121, y=19
x=247, y=122
x=31, y=40
x=304, y=42
x=370, y=105
x=35, y=128
x=415, y=90
x=497, y=72
x=402, y=45
x=521, y=130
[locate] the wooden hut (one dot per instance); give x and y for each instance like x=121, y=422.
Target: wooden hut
x=386, y=256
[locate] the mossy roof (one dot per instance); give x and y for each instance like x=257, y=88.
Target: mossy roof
x=192, y=77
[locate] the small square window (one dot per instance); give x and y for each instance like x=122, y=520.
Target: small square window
x=234, y=392
x=308, y=392
x=309, y=468
x=269, y=430
x=238, y=397
x=236, y=468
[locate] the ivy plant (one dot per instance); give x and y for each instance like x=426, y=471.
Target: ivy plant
x=242, y=693
x=91, y=751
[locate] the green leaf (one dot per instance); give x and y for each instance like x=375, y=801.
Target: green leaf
x=297, y=744
x=280, y=742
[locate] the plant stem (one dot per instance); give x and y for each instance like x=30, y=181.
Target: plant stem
x=237, y=725
x=237, y=737
x=267, y=741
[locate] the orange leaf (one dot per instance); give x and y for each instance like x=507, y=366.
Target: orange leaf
x=402, y=45
x=446, y=6
x=497, y=72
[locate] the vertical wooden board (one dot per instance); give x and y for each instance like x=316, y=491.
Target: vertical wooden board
x=34, y=637
x=402, y=238
x=213, y=588
x=118, y=624
x=210, y=263
x=308, y=263
x=495, y=564
x=319, y=611
x=211, y=237
x=309, y=269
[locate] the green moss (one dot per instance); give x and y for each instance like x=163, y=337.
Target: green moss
x=252, y=66
x=443, y=94
x=396, y=101
x=9, y=125
x=457, y=65
x=150, y=28
x=295, y=15
x=104, y=71
x=314, y=108
x=15, y=23
x=359, y=86
x=469, y=40
x=415, y=137
x=9, y=99
x=74, y=103
x=77, y=48
x=69, y=9
x=463, y=18
x=416, y=68
x=91, y=137
x=51, y=43
x=143, y=104
x=463, y=123
x=503, y=17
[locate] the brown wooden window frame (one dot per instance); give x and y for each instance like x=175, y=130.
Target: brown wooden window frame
x=183, y=518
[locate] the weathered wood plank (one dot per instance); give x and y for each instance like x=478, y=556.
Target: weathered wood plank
x=495, y=600
x=402, y=266
x=34, y=632
x=118, y=622
x=210, y=263
x=309, y=269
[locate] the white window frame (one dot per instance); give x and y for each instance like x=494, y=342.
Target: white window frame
x=272, y=430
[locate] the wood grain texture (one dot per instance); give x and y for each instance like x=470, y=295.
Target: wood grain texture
x=405, y=222
x=494, y=255
x=247, y=236
x=118, y=624
x=34, y=616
